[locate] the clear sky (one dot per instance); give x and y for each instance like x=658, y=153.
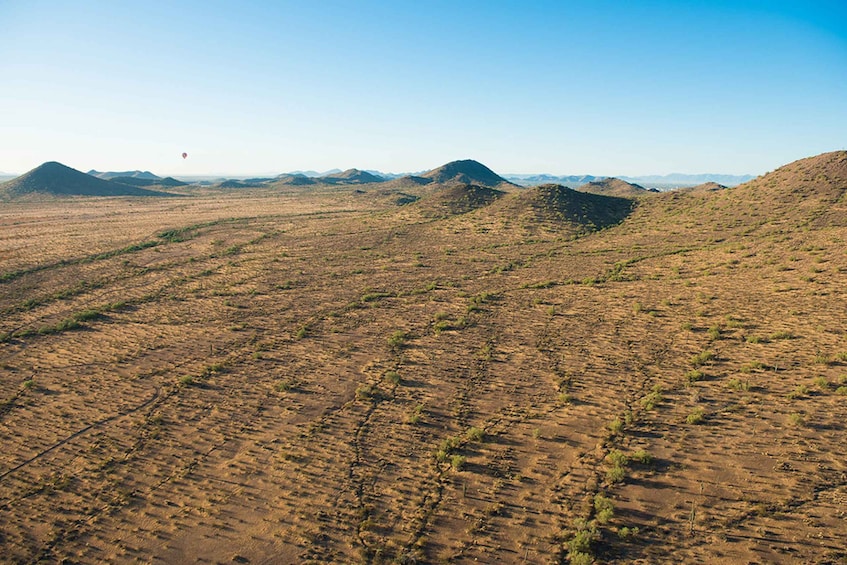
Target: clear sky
x=563, y=87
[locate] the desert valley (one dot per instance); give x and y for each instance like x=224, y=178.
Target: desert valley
x=445, y=368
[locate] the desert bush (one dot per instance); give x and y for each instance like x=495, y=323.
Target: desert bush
x=397, y=339
x=373, y=296
x=693, y=376
x=695, y=417
x=702, y=358
x=650, y=401
x=458, y=461
x=616, y=458
x=842, y=390
x=627, y=532
x=799, y=392
x=752, y=366
x=393, y=377
x=604, y=509
x=616, y=426
x=586, y=534
x=781, y=335
x=795, y=419
x=475, y=434
x=366, y=392
x=441, y=326
x=738, y=384
x=822, y=383
x=580, y=558
x=641, y=456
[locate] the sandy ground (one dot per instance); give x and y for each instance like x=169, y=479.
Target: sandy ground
x=327, y=379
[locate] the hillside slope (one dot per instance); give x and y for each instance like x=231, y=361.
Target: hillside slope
x=56, y=180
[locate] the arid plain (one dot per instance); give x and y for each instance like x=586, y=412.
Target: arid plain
x=337, y=374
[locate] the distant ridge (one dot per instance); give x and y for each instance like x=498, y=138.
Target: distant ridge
x=350, y=176
x=143, y=181
x=55, y=179
x=706, y=186
x=467, y=171
x=613, y=187
x=293, y=179
x=231, y=183
x=111, y=175
x=538, y=179
x=686, y=179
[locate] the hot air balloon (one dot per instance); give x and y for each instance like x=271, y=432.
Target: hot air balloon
x=184, y=155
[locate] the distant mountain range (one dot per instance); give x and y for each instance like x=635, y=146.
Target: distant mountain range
x=56, y=179
x=663, y=181
x=125, y=174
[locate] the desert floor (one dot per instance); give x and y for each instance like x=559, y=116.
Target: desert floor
x=330, y=378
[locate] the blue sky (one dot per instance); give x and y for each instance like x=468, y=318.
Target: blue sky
x=563, y=87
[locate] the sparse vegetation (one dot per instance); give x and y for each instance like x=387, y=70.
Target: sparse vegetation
x=702, y=358
x=402, y=387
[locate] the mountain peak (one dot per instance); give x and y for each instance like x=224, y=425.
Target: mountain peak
x=55, y=179
x=466, y=171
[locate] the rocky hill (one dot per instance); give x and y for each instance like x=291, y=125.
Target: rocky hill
x=613, y=187
x=54, y=179
x=467, y=171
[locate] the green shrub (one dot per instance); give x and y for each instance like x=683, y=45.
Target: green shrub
x=782, y=335
x=702, y=358
x=580, y=558
x=626, y=532
x=458, y=462
x=695, y=417
x=616, y=457
x=650, y=401
x=475, y=434
x=822, y=383
x=641, y=456
x=738, y=384
x=752, y=366
x=586, y=534
x=616, y=426
x=366, y=392
x=693, y=376
x=604, y=509
x=799, y=392
x=796, y=420
x=397, y=339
